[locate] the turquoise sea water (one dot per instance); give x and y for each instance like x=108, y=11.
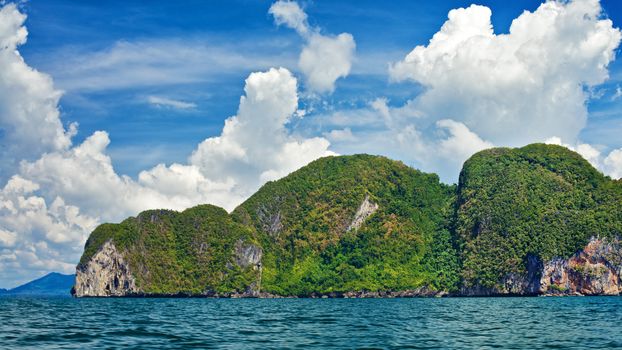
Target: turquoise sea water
x=507, y=323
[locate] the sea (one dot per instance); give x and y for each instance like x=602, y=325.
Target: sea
x=427, y=323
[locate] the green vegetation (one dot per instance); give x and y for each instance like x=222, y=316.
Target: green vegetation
x=303, y=221
x=539, y=200
x=559, y=289
x=171, y=252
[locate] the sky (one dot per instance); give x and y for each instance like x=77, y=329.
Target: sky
x=111, y=108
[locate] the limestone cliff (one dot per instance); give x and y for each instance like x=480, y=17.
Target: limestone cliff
x=594, y=270
x=197, y=252
x=105, y=274
x=366, y=209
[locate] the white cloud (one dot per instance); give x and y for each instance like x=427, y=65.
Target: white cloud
x=441, y=147
x=482, y=89
x=396, y=132
x=255, y=141
x=48, y=208
x=587, y=151
x=459, y=142
x=7, y=239
x=84, y=189
x=613, y=164
x=171, y=103
x=339, y=135
x=36, y=237
x=290, y=14
x=325, y=58
x=514, y=88
x=159, y=62
x=29, y=118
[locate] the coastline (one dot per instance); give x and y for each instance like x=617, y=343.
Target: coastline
x=342, y=295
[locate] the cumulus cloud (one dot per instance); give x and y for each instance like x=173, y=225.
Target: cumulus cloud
x=482, y=89
x=29, y=117
x=290, y=14
x=170, y=103
x=459, y=142
x=324, y=58
x=514, y=88
x=441, y=148
x=36, y=234
x=255, y=141
x=54, y=200
x=254, y=147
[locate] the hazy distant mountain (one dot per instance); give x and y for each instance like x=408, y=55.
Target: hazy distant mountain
x=52, y=284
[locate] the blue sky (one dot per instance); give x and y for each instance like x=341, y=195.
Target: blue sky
x=144, y=135
x=111, y=108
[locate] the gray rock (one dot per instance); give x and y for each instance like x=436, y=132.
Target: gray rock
x=365, y=210
x=247, y=254
x=270, y=217
x=594, y=270
x=105, y=274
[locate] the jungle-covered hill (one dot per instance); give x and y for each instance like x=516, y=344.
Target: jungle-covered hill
x=367, y=223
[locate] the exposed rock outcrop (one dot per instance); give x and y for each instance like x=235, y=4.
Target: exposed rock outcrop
x=365, y=210
x=594, y=270
x=248, y=255
x=106, y=274
x=270, y=217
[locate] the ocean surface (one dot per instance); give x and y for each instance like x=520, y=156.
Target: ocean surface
x=456, y=323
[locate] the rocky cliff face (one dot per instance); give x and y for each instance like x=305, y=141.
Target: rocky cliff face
x=105, y=274
x=366, y=209
x=594, y=270
x=247, y=255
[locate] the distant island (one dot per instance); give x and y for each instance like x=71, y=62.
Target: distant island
x=537, y=220
x=53, y=284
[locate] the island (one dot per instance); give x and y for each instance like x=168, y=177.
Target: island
x=536, y=220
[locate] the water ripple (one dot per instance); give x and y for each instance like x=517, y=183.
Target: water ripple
x=457, y=323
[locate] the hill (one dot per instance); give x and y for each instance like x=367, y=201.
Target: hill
x=520, y=208
x=52, y=284
x=533, y=220
x=163, y=252
x=353, y=223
